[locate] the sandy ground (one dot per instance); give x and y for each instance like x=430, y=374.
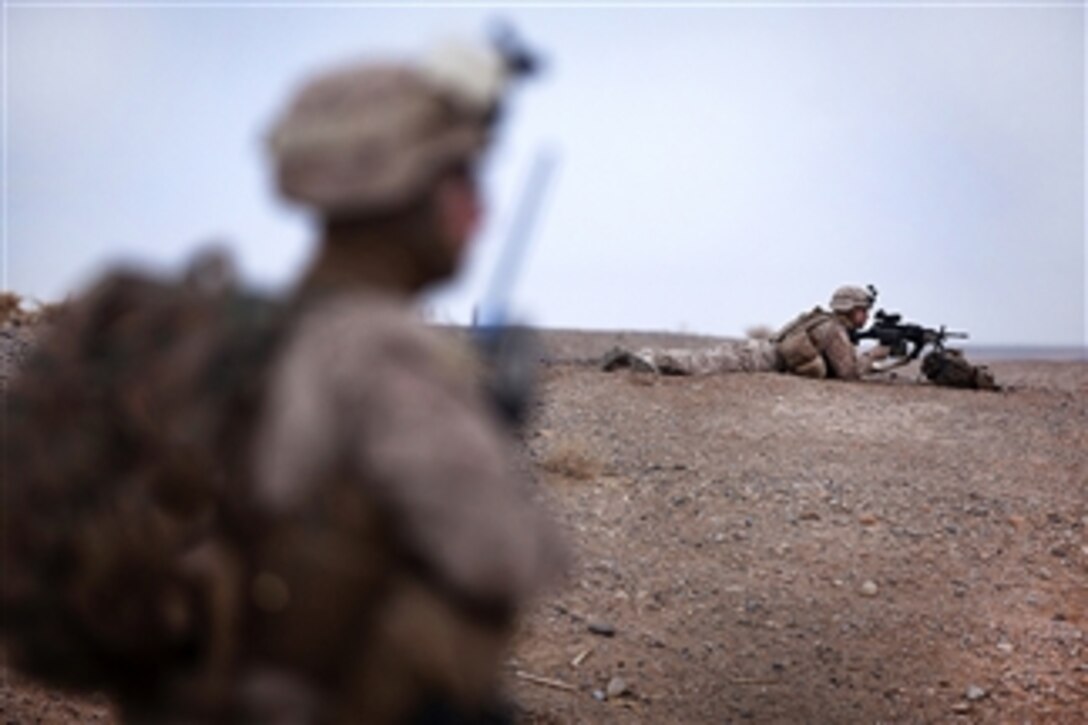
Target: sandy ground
x=762, y=548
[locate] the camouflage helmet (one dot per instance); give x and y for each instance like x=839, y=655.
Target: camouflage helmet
x=849, y=297
x=370, y=137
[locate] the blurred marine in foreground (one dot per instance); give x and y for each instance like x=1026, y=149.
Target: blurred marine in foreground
x=222, y=507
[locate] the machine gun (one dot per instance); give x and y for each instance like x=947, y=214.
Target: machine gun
x=905, y=340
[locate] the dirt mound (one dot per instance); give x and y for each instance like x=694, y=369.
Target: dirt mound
x=758, y=547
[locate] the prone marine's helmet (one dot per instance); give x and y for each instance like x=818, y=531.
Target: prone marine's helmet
x=368, y=138
x=848, y=297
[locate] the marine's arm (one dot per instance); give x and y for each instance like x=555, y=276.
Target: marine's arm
x=867, y=360
x=435, y=454
x=377, y=397
x=842, y=356
x=834, y=344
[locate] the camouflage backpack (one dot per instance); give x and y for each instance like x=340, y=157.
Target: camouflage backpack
x=949, y=367
x=124, y=440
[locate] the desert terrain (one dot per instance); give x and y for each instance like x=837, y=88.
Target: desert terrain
x=762, y=548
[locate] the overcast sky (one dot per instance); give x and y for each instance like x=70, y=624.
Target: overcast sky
x=718, y=167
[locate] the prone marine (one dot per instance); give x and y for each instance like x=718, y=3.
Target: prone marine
x=821, y=344
x=815, y=344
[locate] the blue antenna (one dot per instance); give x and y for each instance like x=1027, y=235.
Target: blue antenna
x=493, y=309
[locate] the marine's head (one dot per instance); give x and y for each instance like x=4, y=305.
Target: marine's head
x=853, y=304
x=370, y=142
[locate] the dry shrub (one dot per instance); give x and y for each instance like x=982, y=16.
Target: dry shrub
x=11, y=308
x=570, y=459
x=760, y=332
x=12, y=311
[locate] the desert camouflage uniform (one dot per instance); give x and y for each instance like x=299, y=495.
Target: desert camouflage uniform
x=404, y=544
x=320, y=523
x=734, y=356
x=817, y=345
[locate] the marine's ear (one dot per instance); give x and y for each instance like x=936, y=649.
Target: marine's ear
x=458, y=211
